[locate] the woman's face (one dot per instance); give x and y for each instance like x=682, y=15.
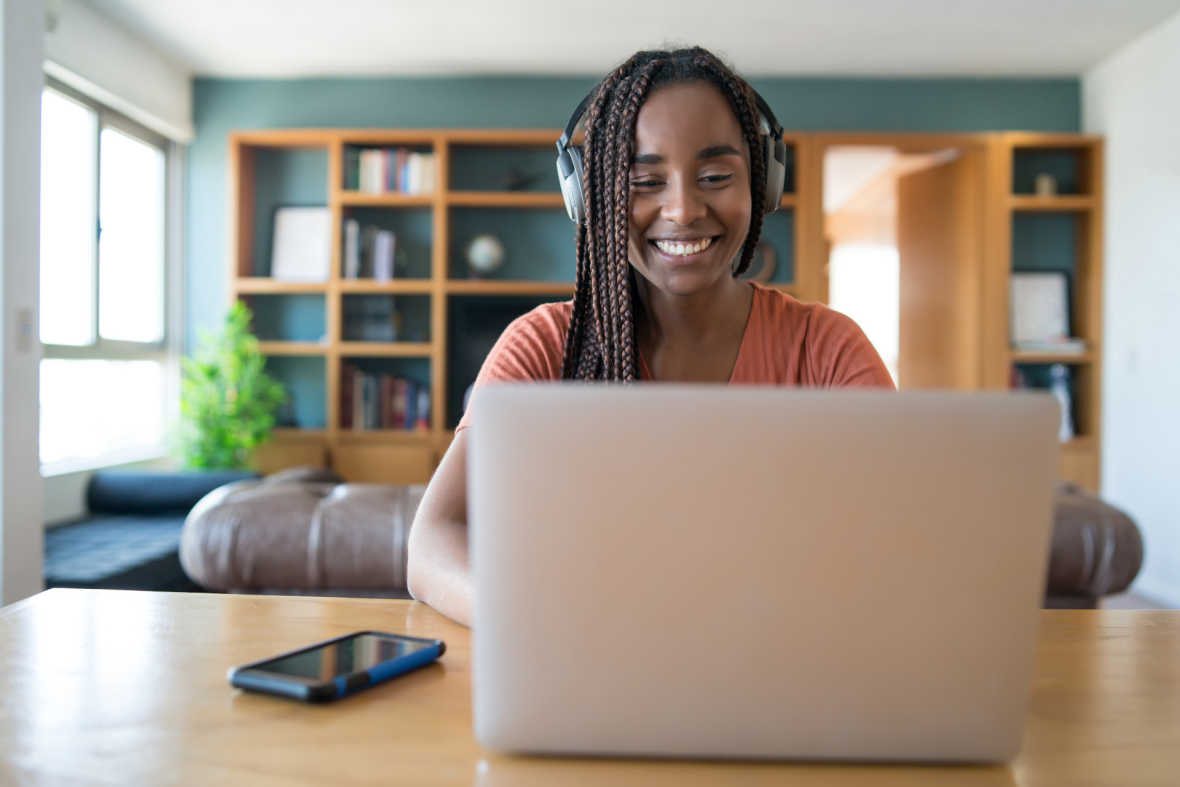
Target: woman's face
x=690, y=188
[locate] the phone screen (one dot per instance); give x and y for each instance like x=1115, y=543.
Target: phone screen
x=354, y=654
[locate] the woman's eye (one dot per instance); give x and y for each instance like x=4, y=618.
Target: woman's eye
x=716, y=178
x=643, y=183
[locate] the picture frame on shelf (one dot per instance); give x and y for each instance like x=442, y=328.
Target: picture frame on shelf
x=301, y=248
x=1039, y=313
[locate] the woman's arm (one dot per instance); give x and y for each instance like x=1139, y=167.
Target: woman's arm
x=438, y=572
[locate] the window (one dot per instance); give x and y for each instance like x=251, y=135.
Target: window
x=107, y=371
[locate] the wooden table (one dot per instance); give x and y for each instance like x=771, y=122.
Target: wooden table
x=126, y=687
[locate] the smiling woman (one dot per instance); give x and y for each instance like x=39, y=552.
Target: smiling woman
x=679, y=162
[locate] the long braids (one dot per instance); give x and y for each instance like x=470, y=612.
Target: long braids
x=601, y=343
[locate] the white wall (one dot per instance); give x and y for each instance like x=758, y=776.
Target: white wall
x=21, y=541
x=1133, y=98
x=97, y=57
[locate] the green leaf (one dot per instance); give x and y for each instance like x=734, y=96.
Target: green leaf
x=227, y=400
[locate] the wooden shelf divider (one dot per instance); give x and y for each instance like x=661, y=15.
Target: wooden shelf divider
x=392, y=287
x=1060, y=203
x=262, y=285
x=494, y=287
x=385, y=349
x=1029, y=356
x=390, y=199
x=293, y=348
x=505, y=199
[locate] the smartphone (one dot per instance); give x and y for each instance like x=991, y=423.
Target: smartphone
x=330, y=670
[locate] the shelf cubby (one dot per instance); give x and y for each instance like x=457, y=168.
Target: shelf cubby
x=288, y=317
x=413, y=232
x=303, y=378
x=519, y=169
x=385, y=318
x=479, y=319
x=538, y=244
x=1068, y=166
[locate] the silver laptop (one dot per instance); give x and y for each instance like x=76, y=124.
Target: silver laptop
x=709, y=571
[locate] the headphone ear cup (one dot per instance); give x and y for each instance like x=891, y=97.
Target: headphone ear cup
x=776, y=171
x=569, y=174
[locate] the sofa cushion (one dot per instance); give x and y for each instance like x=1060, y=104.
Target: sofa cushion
x=253, y=535
x=1096, y=549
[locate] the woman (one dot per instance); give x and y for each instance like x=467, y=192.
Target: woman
x=674, y=192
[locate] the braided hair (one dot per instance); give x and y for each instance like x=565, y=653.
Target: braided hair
x=601, y=342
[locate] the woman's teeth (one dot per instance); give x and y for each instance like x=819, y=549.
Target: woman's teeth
x=683, y=249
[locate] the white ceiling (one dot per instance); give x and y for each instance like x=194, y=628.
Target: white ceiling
x=288, y=38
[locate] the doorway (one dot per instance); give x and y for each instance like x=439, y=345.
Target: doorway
x=901, y=253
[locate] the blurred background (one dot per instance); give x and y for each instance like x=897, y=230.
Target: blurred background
x=988, y=188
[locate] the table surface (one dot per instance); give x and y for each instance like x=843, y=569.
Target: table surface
x=130, y=688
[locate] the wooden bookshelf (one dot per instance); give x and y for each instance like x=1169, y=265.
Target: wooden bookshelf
x=990, y=223
x=260, y=158
x=1076, y=161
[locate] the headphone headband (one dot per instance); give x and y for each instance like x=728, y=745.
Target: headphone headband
x=569, y=158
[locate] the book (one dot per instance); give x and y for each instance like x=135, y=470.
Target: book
x=386, y=384
x=423, y=408
x=384, y=244
x=366, y=248
x=352, y=250
x=346, y=382
x=358, y=399
x=399, y=403
x=352, y=166
x=411, y=413
x=372, y=402
x=373, y=169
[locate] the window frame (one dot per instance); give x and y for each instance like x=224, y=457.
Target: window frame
x=165, y=351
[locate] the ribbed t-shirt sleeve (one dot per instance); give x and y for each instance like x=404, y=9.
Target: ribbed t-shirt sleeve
x=839, y=355
x=530, y=349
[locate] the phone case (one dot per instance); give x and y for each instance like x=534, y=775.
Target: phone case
x=325, y=691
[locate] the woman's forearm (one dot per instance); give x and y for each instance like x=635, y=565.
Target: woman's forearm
x=438, y=570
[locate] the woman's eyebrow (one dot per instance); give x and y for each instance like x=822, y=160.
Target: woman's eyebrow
x=713, y=151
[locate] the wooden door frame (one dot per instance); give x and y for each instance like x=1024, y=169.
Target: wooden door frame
x=987, y=290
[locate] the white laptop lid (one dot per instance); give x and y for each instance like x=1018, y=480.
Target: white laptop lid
x=757, y=572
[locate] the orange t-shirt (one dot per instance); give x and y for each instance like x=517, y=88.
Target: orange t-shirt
x=787, y=342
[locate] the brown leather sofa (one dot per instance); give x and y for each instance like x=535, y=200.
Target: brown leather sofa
x=302, y=531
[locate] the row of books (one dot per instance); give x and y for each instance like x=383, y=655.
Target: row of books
x=369, y=252
x=382, y=170
x=382, y=401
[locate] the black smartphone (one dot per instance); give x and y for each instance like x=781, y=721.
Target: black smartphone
x=330, y=670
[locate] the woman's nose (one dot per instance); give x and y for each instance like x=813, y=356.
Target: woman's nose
x=682, y=202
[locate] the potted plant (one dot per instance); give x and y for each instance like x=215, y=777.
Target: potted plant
x=227, y=400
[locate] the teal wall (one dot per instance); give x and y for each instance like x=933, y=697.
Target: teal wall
x=865, y=104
